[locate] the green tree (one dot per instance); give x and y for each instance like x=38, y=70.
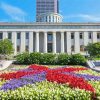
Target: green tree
x=6, y=47
x=94, y=49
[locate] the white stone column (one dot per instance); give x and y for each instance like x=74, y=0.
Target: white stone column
x=51, y=18
x=54, y=18
x=47, y=18
x=45, y=42
x=68, y=39
x=77, y=42
x=86, y=39
x=37, y=42
x=62, y=42
x=14, y=41
x=31, y=42
x=94, y=38
x=5, y=35
x=54, y=42
x=22, y=46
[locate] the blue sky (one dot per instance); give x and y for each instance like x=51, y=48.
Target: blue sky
x=72, y=10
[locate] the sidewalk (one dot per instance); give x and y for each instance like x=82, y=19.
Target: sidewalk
x=4, y=64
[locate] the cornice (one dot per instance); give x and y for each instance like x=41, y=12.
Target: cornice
x=37, y=23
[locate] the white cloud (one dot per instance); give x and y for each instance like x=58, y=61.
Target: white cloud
x=15, y=13
x=86, y=17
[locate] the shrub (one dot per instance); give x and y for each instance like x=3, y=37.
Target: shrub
x=77, y=59
x=35, y=58
x=48, y=59
x=63, y=59
x=23, y=58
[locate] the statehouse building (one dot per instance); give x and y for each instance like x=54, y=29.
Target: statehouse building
x=49, y=33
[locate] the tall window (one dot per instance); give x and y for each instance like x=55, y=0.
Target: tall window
x=9, y=35
x=50, y=37
x=81, y=35
x=72, y=35
x=27, y=35
x=49, y=47
x=18, y=35
x=98, y=35
x=90, y=35
x=1, y=35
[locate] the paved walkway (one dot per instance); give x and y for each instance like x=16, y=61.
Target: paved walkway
x=92, y=66
x=4, y=64
x=97, y=69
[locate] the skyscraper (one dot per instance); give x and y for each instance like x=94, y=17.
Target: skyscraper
x=45, y=7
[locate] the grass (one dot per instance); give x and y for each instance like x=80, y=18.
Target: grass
x=97, y=58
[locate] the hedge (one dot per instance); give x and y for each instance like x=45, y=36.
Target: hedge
x=77, y=59
x=23, y=58
x=35, y=58
x=63, y=59
x=50, y=59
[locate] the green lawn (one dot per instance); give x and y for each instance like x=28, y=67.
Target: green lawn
x=97, y=58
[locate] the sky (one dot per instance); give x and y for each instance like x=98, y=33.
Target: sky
x=71, y=10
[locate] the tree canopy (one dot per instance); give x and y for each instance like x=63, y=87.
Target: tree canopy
x=6, y=47
x=94, y=49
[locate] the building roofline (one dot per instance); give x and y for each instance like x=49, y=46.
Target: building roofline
x=43, y=23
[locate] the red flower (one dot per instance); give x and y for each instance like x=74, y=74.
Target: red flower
x=54, y=75
x=74, y=82
x=16, y=75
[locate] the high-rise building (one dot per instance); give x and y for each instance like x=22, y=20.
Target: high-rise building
x=47, y=6
x=47, y=11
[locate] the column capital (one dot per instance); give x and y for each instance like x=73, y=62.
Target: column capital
x=37, y=31
x=54, y=32
x=45, y=32
x=76, y=31
x=30, y=31
x=68, y=31
x=86, y=31
x=62, y=31
x=95, y=32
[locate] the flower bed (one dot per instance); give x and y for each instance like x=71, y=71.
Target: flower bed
x=36, y=74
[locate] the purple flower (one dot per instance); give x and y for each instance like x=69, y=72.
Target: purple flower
x=25, y=80
x=26, y=70
x=85, y=76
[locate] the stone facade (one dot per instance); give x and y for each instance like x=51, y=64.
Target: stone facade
x=50, y=37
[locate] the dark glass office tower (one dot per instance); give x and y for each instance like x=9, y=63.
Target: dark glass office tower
x=46, y=6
